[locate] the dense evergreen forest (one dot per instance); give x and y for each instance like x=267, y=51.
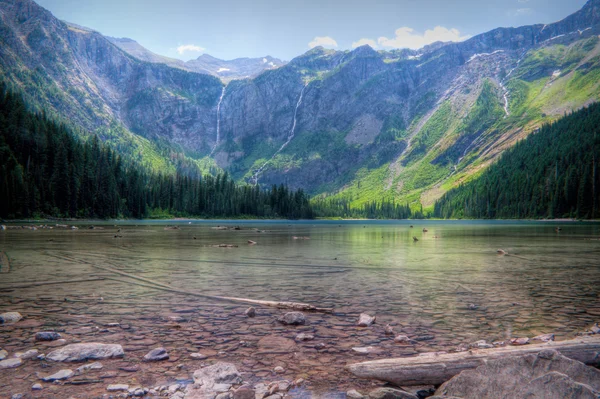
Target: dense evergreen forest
x=327, y=207
x=47, y=170
x=551, y=174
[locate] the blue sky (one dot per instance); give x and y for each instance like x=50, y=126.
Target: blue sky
x=253, y=28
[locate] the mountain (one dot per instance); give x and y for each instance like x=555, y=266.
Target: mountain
x=356, y=126
x=239, y=68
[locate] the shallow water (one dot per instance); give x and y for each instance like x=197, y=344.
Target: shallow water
x=548, y=282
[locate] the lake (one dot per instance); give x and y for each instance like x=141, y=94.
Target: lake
x=449, y=288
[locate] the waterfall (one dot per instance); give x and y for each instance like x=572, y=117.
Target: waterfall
x=254, y=178
x=218, y=121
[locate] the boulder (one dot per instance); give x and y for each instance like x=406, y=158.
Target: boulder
x=390, y=393
x=293, y=318
x=547, y=374
x=365, y=320
x=10, y=317
x=85, y=351
x=10, y=363
x=156, y=355
x=47, y=336
x=61, y=375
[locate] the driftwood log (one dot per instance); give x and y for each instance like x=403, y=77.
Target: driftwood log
x=435, y=369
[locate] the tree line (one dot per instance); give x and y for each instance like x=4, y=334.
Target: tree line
x=48, y=170
x=384, y=209
x=553, y=173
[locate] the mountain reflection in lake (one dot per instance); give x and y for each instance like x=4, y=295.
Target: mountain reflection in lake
x=447, y=289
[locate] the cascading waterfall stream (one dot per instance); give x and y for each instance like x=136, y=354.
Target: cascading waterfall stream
x=505, y=91
x=254, y=178
x=218, y=121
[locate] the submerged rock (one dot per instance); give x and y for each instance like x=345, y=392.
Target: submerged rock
x=293, y=318
x=250, y=312
x=117, y=388
x=30, y=354
x=10, y=317
x=547, y=374
x=3, y=354
x=365, y=320
x=390, y=393
x=86, y=351
x=156, y=355
x=10, y=363
x=211, y=380
x=61, y=375
x=47, y=336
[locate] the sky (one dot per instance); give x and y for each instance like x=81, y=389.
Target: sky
x=229, y=29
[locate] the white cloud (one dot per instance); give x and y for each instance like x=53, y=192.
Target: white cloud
x=362, y=42
x=523, y=1
x=324, y=41
x=407, y=37
x=189, y=47
x=523, y=11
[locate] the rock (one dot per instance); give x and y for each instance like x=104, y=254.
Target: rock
x=544, y=337
x=244, y=392
x=36, y=387
x=279, y=370
x=293, y=318
x=198, y=356
x=10, y=363
x=250, y=312
x=156, y=355
x=3, y=354
x=260, y=391
x=17, y=396
x=10, y=317
x=61, y=375
x=482, y=344
x=365, y=320
x=117, y=388
x=365, y=349
x=354, y=394
x=304, y=337
x=424, y=338
x=250, y=242
x=30, y=354
x=210, y=380
x=519, y=341
x=389, y=330
x=85, y=351
x=390, y=393
x=546, y=374
x=91, y=366
x=595, y=329
x=402, y=339
x=47, y=336
x=421, y=391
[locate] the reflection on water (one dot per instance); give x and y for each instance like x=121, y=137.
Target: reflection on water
x=448, y=288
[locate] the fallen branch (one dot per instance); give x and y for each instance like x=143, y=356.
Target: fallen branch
x=435, y=369
x=281, y=305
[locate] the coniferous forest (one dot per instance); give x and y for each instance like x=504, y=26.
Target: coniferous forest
x=46, y=170
x=551, y=174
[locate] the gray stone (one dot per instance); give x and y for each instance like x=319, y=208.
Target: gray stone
x=117, y=388
x=390, y=393
x=546, y=374
x=544, y=337
x=251, y=312
x=244, y=392
x=10, y=317
x=3, y=354
x=595, y=329
x=86, y=351
x=365, y=320
x=61, y=375
x=279, y=370
x=354, y=394
x=156, y=355
x=36, y=387
x=293, y=318
x=10, y=363
x=304, y=337
x=214, y=379
x=17, y=396
x=47, y=336
x=30, y=354
x=91, y=366
x=198, y=356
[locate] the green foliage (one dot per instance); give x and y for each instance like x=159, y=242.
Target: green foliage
x=433, y=130
x=47, y=170
x=553, y=173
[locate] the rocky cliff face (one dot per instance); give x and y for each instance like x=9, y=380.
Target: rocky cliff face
x=404, y=124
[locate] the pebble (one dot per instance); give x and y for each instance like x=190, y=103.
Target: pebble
x=10, y=363
x=30, y=354
x=3, y=354
x=279, y=370
x=389, y=330
x=544, y=337
x=304, y=337
x=293, y=318
x=354, y=394
x=36, y=387
x=47, y=336
x=198, y=356
x=156, y=354
x=17, y=396
x=519, y=341
x=250, y=312
x=365, y=320
x=402, y=339
x=117, y=388
x=364, y=350
x=10, y=317
x=61, y=375
x=482, y=344
x=91, y=366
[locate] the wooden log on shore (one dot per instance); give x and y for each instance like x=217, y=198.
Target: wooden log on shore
x=435, y=369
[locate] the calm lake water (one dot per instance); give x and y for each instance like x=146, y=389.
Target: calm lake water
x=447, y=289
